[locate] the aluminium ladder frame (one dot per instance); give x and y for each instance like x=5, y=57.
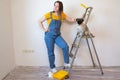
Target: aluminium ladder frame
x=85, y=33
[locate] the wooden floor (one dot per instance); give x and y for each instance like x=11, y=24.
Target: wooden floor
x=77, y=73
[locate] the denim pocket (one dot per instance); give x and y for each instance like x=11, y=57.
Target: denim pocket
x=45, y=32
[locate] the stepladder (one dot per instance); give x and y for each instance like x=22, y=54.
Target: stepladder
x=85, y=33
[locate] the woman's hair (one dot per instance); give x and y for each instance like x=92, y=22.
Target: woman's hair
x=60, y=5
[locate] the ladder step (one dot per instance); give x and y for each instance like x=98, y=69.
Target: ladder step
x=71, y=55
x=88, y=36
x=75, y=45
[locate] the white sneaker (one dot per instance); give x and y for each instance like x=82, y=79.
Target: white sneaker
x=67, y=65
x=52, y=72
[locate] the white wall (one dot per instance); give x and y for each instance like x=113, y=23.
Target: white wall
x=29, y=45
x=7, y=58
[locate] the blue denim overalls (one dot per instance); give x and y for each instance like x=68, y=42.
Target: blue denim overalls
x=53, y=37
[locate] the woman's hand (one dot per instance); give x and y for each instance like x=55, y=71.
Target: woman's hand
x=46, y=30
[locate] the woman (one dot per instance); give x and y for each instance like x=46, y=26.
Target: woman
x=52, y=34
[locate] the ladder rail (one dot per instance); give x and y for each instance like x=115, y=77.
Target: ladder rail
x=97, y=57
x=90, y=52
x=77, y=47
x=71, y=55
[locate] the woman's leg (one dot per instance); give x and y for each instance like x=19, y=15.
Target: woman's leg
x=62, y=44
x=50, y=48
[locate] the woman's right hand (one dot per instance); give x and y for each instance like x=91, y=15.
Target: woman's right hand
x=46, y=30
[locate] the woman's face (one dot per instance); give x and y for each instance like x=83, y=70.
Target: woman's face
x=56, y=7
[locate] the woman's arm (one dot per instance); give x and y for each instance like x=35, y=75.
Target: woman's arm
x=78, y=20
x=41, y=23
x=69, y=19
